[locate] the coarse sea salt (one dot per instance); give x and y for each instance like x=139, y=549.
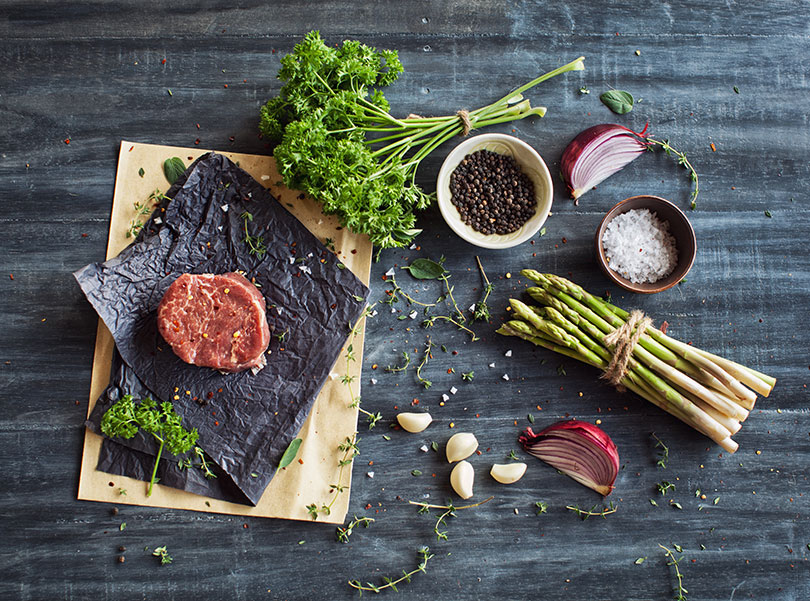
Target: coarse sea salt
x=639, y=247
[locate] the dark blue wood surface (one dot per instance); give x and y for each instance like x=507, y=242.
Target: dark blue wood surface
x=93, y=73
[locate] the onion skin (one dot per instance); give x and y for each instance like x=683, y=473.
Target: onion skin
x=597, y=139
x=581, y=450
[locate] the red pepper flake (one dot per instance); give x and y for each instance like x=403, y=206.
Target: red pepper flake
x=130, y=148
x=477, y=415
x=664, y=327
x=216, y=423
x=455, y=352
x=354, y=251
x=163, y=62
x=565, y=241
x=231, y=138
x=371, y=463
x=301, y=461
x=244, y=81
x=449, y=370
x=478, y=452
x=333, y=306
x=415, y=402
x=67, y=140
x=713, y=148
x=85, y=235
x=112, y=483
x=374, y=366
x=11, y=276
x=197, y=142
x=226, y=85
x=368, y=506
x=245, y=526
x=210, y=395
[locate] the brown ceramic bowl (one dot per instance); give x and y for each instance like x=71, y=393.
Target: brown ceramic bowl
x=679, y=227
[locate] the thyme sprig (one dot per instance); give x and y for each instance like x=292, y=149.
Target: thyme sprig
x=448, y=510
x=594, y=511
x=424, y=554
x=144, y=209
x=680, y=592
x=255, y=244
x=663, y=454
x=431, y=320
x=683, y=161
x=344, y=532
x=428, y=355
x=664, y=486
x=163, y=553
x=396, y=292
x=394, y=369
x=203, y=465
x=481, y=311
x=349, y=448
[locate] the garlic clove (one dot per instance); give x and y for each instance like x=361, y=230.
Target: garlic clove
x=460, y=446
x=414, y=422
x=508, y=473
x=461, y=479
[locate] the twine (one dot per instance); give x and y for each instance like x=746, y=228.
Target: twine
x=624, y=340
x=464, y=117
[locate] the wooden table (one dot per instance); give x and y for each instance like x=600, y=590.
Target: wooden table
x=727, y=83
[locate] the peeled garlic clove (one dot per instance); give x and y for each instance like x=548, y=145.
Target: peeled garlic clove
x=414, y=422
x=460, y=446
x=508, y=473
x=461, y=479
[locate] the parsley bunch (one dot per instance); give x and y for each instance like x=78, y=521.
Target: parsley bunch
x=126, y=417
x=338, y=142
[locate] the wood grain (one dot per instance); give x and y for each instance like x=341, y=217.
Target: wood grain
x=93, y=73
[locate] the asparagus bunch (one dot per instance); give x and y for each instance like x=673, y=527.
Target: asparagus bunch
x=710, y=393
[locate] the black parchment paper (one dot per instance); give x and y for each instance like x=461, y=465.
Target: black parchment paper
x=245, y=420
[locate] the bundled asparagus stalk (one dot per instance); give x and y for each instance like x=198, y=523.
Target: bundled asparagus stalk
x=710, y=393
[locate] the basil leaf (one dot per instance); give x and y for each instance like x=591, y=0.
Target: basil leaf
x=425, y=269
x=618, y=101
x=173, y=168
x=289, y=454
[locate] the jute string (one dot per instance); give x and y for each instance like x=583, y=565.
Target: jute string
x=624, y=340
x=464, y=116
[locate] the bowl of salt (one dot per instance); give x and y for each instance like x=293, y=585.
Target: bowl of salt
x=645, y=244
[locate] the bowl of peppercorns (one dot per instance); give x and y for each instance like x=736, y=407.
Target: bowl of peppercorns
x=494, y=191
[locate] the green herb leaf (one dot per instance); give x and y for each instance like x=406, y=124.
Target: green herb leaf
x=416, y=473
x=542, y=507
x=653, y=502
x=386, y=437
x=639, y=561
x=141, y=172
x=618, y=101
x=435, y=446
x=290, y=454
x=678, y=548
x=425, y=269
x=122, y=526
x=173, y=168
x=736, y=90
x=530, y=417
x=768, y=214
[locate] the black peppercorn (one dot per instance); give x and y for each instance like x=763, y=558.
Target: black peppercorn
x=491, y=193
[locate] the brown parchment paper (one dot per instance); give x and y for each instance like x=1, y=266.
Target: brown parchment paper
x=307, y=479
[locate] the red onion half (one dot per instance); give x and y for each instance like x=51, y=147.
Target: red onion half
x=597, y=153
x=578, y=449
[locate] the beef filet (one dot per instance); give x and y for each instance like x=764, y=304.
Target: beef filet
x=216, y=321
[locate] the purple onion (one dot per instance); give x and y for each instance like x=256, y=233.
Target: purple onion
x=597, y=153
x=579, y=449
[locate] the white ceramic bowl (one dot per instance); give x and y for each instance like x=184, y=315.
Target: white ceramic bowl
x=531, y=164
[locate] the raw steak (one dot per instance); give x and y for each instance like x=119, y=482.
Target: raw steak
x=216, y=321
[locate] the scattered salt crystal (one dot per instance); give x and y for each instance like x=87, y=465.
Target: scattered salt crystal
x=508, y=353
x=472, y=307
x=373, y=380
x=219, y=227
x=639, y=246
x=492, y=365
x=373, y=313
x=292, y=260
x=305, y=269
x=516, y=511
x=412, y=314
x=412, y=246
x=158, y=221
x=334, y=375
x=390, y=272
x=250, y=194
x=393, y=310
x=224, y=208
x=423, y=448
x=445, y=397
x=265, y=178
x=453, y=390
x=370, y=474
x=505, y=377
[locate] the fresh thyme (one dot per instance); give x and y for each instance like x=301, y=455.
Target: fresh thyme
x=142, y=210
x=406, y=357
x=255, y=244
x=432, y=319
x=448, y=510
x=424, y=554
x=163, y=553
x=663, y=454
x=513, y=456
x=542, y=507
x=467, y=376
x=428, y=355
x=680, y=592
x=344, y=532
x=348, y=448
x=665, y=486
x=396, y=292
x=203, y=464
x=594, y=511
x=683, y=161
x=481, y=310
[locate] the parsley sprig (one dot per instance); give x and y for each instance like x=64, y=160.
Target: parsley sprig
x=338, y=142
x=126, y=417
